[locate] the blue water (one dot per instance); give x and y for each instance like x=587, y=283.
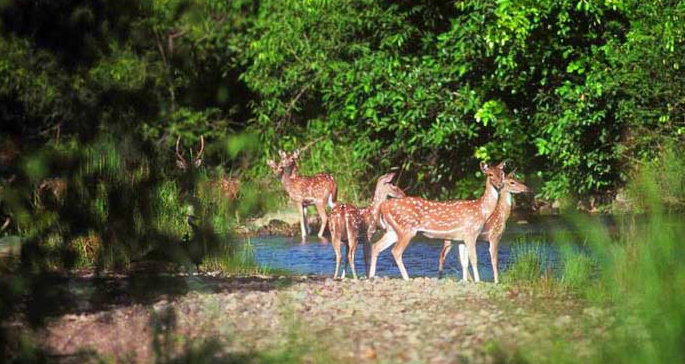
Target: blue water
x=316, y=256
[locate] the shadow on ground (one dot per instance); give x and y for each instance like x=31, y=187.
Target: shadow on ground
x=56, y=295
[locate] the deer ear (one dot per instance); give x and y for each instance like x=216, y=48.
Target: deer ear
x=484, y=167
x=197, y=162
x=282, y=153
x=296, y=153
x=511, y=174
x=386, y=178
x=502, y=164
x=271, y=163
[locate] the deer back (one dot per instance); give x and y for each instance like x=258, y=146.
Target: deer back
x=344, y=215
x=309, y=188
x=434, y=219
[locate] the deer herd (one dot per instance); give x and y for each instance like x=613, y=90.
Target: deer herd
x=402, y=217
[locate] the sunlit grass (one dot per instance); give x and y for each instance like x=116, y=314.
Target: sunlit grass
x=636, y=272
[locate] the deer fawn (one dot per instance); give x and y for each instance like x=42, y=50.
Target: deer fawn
x=317, y=190
x=457, y=220
x=348, y=222
x=493, y=228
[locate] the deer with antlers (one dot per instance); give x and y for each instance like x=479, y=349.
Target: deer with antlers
x=493, y=228
x=348, y=222
x=317, y=190
x=403, y=218
x=181, y=162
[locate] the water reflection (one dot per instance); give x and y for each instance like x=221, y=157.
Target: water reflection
x=421, y=257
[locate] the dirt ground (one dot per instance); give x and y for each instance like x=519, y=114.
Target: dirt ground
x=140, y=319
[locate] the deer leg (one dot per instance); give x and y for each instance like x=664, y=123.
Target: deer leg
x=306, y=220
x=464, y=260
x=336, y=241
x=446, y=247
x=367, y=246
x=347, y=246
x=321, y=209
x=397, y=252
x=389, y=238
x=493, y=257
x=352, y=247
x=336, y=249
x=367, y=253
x=303, y=218
x=473, y=257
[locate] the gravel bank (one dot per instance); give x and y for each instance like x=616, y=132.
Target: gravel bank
x=383, y=320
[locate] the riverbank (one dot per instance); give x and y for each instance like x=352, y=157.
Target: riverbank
x=286, y=222
x=310, y=319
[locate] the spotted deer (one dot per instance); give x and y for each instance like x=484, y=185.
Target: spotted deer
x=347, y=222
x=493, y=228
x=317, y=190
x=462, y=220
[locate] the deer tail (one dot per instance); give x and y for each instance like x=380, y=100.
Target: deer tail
x=332, y=224
x=333, y=196
x=347, y=228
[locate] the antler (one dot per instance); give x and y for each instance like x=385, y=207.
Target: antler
x=202, y=147
x=181, y=162
x=197, y=159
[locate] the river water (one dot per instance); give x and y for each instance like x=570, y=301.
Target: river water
x=316, y=256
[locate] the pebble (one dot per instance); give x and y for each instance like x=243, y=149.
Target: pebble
x=382, y=319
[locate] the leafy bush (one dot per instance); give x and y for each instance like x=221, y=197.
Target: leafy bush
x=559, y=87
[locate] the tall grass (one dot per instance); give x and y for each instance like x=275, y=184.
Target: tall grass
x=123, y=203
x=529, y=263
x=636, y=271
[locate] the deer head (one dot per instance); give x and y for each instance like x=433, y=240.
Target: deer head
x=384, y=187
x=181, y=162
x=287, y=163
x=278, y=168
x=494, y=174
x=512, y=185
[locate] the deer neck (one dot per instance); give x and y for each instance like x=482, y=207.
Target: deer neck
x=371, y=211
x=488, y=202
x=504, y=203
x=288, y=177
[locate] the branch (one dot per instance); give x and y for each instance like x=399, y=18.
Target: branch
x=161, y=49
x=171, y=37
x=297, y=98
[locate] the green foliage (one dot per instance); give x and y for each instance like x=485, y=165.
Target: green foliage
x=428, y=87
x=109, y=204
x=660, y=177
x=634, y=275
x=574, y=93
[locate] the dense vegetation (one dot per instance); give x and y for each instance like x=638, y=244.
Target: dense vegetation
x=632, y=271
x=574, y=92
x=582, y=96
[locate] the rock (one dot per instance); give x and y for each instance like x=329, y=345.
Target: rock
x=562, y=321
x=369, y=353
x=594, y=312
x=424, y=320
